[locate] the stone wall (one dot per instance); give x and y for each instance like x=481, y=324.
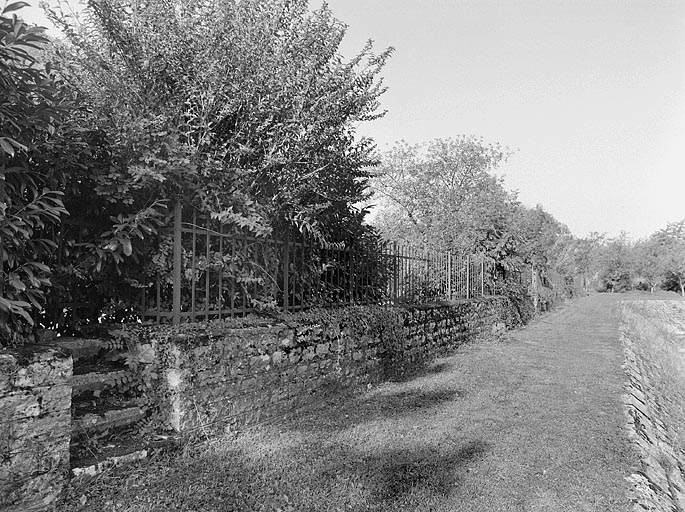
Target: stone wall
x=35, y=426
x=218, y=377
x=651, y=400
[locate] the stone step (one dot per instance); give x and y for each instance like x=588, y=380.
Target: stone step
x=119, y=452
x=96, y=381
x=106, y=419
x=109, y=456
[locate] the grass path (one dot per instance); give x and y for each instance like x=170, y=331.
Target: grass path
x=533, y=422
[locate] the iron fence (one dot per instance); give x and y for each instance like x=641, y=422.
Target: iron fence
x=216, y=274
x=200, y=271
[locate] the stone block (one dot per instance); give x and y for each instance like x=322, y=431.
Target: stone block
x=54, y=398
x=17, y=405
x=278, y=357
x=35, y=425
x=249, y=384
x=43, y=370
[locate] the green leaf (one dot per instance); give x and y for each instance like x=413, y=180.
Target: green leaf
x=17, y=284
x=126, y=245
x=23, y=313
x=5, y=305
x=14, y=7
x=6, y=146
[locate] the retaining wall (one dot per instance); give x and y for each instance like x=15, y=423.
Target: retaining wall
x=218, y=377
x=35, y=426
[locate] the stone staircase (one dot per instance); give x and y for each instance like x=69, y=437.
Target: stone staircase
x=105, y=415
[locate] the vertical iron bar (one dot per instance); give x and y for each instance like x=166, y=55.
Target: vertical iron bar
x=220, y=298
x=482, y=277
x=449, y=275
x=395, y=272
x=159, y=301
x=207, y=255
x=243, y=287
x=233, y=277
x=178, y=248
x=303, y=272
x=351, y=273
x=192, y=267
x=468, y=277
x=286, y=270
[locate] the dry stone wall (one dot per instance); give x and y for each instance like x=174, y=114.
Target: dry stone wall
x=224, y=378
x=35, y=426
x=659, y=484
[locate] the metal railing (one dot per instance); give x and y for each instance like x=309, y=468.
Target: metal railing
x=217, y=274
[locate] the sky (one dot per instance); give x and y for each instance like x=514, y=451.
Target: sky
x=590, y=95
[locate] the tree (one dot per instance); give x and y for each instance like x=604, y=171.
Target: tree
x=443, y=195
x=616, y=260
x=670, y=243
x=647, y=257
x=31, y=105
x=242, y=109
x=543, y=240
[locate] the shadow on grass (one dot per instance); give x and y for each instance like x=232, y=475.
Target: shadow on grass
x=394, y=473
x=418, y=372
x=384, y=404
x=304, y=479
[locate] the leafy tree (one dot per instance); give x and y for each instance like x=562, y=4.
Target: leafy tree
x=670, y=243
x=31, y=105
x=617, y=264
x=543, y=240
x=647, y=256
x=242, y=109
x=585, y=256
x=443, y=195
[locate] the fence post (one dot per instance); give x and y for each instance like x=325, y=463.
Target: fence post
x=395, y=273
x=351, y=273
x=286, y=271
x=178, y=248
x=468, y=276
x=449, y=275
x=482, y=277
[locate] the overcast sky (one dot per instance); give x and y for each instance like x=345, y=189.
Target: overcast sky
x=590, y=93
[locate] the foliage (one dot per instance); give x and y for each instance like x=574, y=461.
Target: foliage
x=617, y=264
x=241, y=109
x=670, y=261
x=143, y=380
x=543, y=241
x=443, y=195
x=519, y=298
x=647, y=258
x=31, y=106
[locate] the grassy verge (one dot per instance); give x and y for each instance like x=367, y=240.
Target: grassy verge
x=529, y=423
